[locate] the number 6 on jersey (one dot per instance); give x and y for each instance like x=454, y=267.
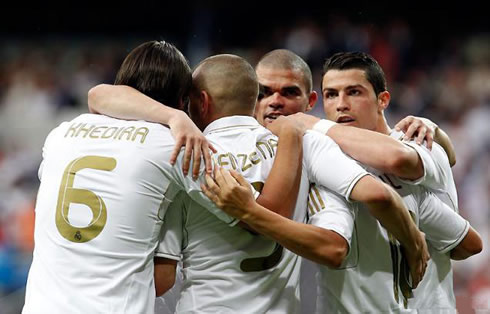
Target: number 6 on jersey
x=68, y=194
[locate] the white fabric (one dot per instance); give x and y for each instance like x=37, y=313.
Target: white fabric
x=215, y=256
x=365, y=280
x=436, y=290
x=112, y=272
x=323, y=126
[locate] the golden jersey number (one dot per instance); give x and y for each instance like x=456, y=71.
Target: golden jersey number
x=68, y=194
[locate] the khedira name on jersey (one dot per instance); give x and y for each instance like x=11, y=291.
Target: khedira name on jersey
x=130, y=133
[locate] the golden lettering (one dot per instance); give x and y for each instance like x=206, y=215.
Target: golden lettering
x=127, y=131
x=72, y=129
x=85, y=130
x=141, y=131
x=94, y=133
x=107, y=133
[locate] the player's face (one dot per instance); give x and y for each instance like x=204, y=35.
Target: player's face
x=349, y=98
x=282, y=92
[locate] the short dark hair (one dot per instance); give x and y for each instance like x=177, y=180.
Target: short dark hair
x=159, y=70
x=361, y=61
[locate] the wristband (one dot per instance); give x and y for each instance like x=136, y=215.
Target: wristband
x=323, y=126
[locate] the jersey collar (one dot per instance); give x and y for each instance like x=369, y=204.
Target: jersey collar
x=230, y=123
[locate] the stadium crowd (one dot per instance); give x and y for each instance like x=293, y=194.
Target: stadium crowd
x=45, y=81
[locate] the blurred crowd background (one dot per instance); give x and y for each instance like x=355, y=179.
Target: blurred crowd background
x=437, y=64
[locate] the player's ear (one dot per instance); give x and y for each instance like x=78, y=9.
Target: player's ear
x=205, y=102
x=312, y=100
x=383, y=100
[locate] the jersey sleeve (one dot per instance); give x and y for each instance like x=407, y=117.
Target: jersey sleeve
x=331, y=211
x=327, y=166
x=172, y=235
x=435, y=163
x=444, y=229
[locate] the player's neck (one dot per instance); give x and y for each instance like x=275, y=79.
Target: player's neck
x=382, y=125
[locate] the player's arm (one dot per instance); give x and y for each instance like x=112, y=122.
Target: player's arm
x=280, y=190
x=164, y=274
x=446, y=230
x=387, y=207
x=371, y=148
x=231, y=192
x=469, y=246
x=127, y=103
x=425, y=129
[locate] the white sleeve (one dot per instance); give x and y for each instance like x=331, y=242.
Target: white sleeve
x=171, y=235
x=331, y=211
x=436, y=166
x=444, y=229
x=328, y=166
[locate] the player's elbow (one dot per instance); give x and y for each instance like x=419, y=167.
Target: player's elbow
x=163, y=286
x=380, y=196
x=164, y=274
x=401, y=161
x=471, y=245
x=95, y=97
x=334, y=253
x=476, y=248
x=452, y=160
x=337, y=257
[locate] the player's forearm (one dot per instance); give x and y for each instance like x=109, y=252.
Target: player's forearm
x=125, y=102
x=443, y=139
x=281, y=187
x=395, y=218
x=317, y=244
x=377, y=150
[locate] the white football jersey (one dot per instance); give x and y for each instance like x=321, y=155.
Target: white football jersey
x=105, y=187
x=229, y=269
x=436, y=290
x=374, y=275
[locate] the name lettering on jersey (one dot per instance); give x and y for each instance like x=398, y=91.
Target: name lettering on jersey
x=130, y=133
x=244, y=161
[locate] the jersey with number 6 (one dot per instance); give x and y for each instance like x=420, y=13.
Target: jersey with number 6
x=229, y=269
x=105, y=187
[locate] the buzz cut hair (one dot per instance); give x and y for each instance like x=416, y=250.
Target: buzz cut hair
x=284, y=59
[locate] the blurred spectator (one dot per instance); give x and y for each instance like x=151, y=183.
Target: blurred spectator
x=43, y=82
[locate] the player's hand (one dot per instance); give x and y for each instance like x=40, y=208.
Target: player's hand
x=286, y=124
x=196, y=145
x=418, y=128
x=230, y=192
x=305, y=119
x=417, y=260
